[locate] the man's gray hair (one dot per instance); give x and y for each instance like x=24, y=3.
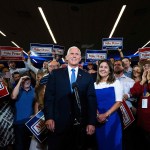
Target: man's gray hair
x=71, y=48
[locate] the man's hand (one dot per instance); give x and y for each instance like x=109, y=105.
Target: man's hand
x=50, y=124
x=90, y=129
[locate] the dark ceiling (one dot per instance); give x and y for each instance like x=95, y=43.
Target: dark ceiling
x=73, y=22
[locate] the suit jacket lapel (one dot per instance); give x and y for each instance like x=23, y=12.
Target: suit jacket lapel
x=79, y=76
x=66, y=78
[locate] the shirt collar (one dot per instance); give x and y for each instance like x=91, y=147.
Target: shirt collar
x=76, y=69
x=123, y=76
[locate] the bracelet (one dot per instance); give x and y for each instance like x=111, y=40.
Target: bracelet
x=97, y=115
x=108, y=114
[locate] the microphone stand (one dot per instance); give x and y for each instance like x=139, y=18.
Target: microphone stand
x=75, y=89
x=77, y=98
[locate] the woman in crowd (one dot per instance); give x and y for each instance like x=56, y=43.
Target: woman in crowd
x=90, y=69
x=39, y=104
x=109, y=96
x=141, y=91
x=136, y=73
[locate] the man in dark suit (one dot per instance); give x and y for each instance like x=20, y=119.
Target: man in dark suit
x=69, y=125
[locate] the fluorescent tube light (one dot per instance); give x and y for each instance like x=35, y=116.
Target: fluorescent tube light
x=34, y=60
x=135, y=53
x=25, y=52
x=142, y=47
x=117, y=21
x=15, y=44
x=146, y=44
x=2, y=33
x=47, y=25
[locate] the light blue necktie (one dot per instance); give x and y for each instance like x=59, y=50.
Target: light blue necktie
x=73, y=78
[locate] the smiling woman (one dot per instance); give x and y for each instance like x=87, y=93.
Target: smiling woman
x=107, y=105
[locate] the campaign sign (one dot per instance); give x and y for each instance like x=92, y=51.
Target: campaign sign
x=127, y=115
x=144, y=53
x=37, y=126
x=41, y=50
x=11, y=53
x=95, y=55
x=3, y=90
x=112, y=43
x=58, y=50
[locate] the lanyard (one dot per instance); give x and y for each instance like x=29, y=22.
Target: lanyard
x=145, y=91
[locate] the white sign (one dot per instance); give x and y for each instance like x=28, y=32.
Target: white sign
x=12, y=53
x=96, y=56
x=112, y=43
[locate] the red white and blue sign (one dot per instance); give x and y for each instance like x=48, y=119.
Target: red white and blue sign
x=127, y=115
x=112, y=43
x=3, y=90
x=41, y=50
x=11, y=53
x=95, y=55
x=58, y=50
x=37, y=126
x=144, y=53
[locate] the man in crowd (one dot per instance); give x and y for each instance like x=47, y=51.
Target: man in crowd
x=51, y=66
x=127, y=83
x=16, y=76
x=12, y=69
x=33, y=68
x=127, y=67
x=23, y=94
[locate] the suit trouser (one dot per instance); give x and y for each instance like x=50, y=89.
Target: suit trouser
x=73, y=139
x=22, y=137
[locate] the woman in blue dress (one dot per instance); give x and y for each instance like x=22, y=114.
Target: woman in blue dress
x=109, y=94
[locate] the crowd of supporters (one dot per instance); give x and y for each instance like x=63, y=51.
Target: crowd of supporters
x=26, y=87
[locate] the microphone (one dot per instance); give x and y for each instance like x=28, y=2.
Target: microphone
x=75, y=89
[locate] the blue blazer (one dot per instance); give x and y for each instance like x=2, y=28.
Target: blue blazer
x=58, y=96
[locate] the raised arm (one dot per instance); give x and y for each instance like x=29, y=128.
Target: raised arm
x=15, y=91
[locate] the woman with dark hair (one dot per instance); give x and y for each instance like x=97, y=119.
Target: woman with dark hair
x=109, y=94
x=141, y=91
x=136, y=73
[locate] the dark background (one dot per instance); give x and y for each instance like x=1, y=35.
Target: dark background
x=82, y=23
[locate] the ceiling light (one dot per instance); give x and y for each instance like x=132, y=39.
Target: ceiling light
x=47, y=25
x=25, y=52
x=15, y=44
x=34, y=60
x=117, y=21
x=2, y=33
x=146, y=44
x=142, y=47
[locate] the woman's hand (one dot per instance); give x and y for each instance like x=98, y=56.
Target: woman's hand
x=102, y=118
